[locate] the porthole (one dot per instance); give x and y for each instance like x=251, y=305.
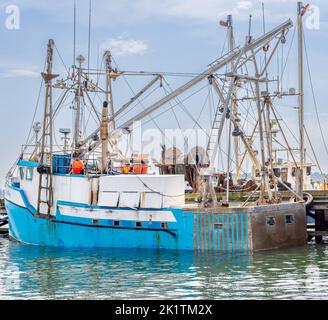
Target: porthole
x=289, y=219
x=164, y=225
x=270, y=221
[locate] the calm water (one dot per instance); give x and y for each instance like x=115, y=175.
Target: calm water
x=28, y=272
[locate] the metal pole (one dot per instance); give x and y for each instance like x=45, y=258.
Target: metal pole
x=228, y=160
x=46, y=141
x=233, y=112
x=234, y=106
x=109, y=95
x=74, y=37
x=300, y=13
x=65, y=144
x=79, y=92
x=259, y=109
x=104, y=137
x=268, y=129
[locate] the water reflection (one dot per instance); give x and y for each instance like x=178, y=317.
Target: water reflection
x=50, y=273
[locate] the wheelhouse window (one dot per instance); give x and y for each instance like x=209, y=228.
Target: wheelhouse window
x=294, y=172
x=29, y=174
x=276, y=172
x=308, y=171
x=22, y=173
x=284, y=174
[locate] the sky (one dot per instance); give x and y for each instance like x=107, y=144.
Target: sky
x=151, y=35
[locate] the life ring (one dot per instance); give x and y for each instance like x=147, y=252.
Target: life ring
x=308, y=198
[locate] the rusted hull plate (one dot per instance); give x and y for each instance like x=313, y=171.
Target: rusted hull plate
x=278, y=226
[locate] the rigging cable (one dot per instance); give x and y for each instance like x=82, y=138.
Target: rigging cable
x=74, y=34
x=290, y=131
x=36, y=105
x=133, y=107
x=180, y=104
x=131, y=89
x=288, y=54
x=313, y=95
x=61, y=59
x=89, y=35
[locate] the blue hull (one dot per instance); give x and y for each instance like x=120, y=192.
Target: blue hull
x=191, y=231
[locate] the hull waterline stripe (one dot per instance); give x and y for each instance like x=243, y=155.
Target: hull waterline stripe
x=113, y=227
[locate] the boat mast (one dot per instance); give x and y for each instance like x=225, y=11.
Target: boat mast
x=301, y=10
x=104, y=137
x=234, y=104
x=262, y=148
x=104, y=127
x=233, y=112
x=109, y=94
x=79, y=93
x=45, y=163
x=267, y=121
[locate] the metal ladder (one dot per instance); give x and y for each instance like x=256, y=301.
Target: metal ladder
x=45, y=193
x=213, y=139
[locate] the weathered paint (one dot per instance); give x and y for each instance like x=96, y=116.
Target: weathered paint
x=243, y=229
x=281, y=234
x=229, y=238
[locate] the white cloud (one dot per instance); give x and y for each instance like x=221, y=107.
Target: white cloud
x=244, y=5
x=121, y=46
x=22, y=72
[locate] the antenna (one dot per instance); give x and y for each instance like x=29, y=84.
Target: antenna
x=263, y=17
x=74, y=36
x=65, y=132
x=36, y=128
x=89, y=35
x=249, y=38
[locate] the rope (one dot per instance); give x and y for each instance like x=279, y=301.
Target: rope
x=61, y=59
x=29, y=138
x=157, y=192
x=165, y=111
x=183, y=106
x=288, y=54
x=314, y=97
x=89, y=33
x=132, y=108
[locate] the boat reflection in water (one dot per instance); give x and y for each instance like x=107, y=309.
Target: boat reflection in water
x=50, y=273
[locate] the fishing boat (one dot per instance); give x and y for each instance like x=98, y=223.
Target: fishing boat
x=106, y=206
